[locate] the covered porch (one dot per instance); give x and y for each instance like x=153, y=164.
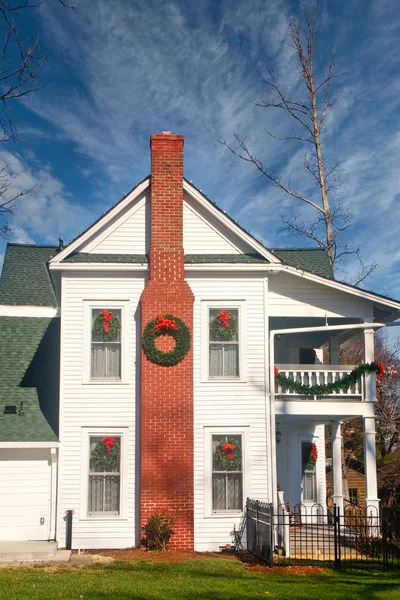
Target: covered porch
x=299, y=350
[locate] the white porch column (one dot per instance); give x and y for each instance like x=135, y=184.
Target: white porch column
x=371, y=488
x=369, y=356
x=337, y=497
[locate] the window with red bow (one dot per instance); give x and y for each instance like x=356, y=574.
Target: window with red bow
x=106, y=344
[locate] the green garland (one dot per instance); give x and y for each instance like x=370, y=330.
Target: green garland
x=218, y=331
x=329, y=388
x=220, y=456
x=98, y=328
x=99, y=456
x=182, y=342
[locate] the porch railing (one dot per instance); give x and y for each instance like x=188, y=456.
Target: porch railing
x=320, y=375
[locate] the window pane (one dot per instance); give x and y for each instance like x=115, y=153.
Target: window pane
x=224, y=324
x=219, y=492
x=216, y=361
x=309, y=486
x=231, y=360
x=113, y=361
x=234, y=491
x=99, y=333
x=98, y=361
x=96, y=492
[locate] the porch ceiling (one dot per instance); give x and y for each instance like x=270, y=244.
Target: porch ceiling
x=314, y=339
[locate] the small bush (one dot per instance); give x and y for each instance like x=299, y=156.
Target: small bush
x=158, y=531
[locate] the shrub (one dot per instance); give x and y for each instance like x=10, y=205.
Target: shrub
x=158, y=531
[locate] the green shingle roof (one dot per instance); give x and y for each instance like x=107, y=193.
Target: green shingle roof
x=25, y=279
x=29, y=358
x=313, y=260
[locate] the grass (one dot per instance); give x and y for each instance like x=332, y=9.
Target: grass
x=218, y=579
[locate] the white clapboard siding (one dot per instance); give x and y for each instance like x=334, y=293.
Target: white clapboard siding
x=102, y=406
x=203, y=234
x=25, y=495
x=229, y=404
x=291, y=296
x=127, y=234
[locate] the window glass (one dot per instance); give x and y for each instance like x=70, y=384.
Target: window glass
x=106, y=344
x=227, y=473
x=104, y=474
x=223, y=342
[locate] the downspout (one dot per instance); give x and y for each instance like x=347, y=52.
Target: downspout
x=272, y=424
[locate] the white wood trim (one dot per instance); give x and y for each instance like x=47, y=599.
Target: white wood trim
x=21, y=445
x=231, y=225
x=53, y=497
x=240, y=306
x=28, y=311
x=101, y=223
x=88, y=306
x=87, y=433
x=244, y=431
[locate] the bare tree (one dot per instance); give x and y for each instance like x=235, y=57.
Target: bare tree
x=21, y=62
x=308, y=116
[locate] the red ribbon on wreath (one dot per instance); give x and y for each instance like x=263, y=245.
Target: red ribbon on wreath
x=106, y=316
x=314, y=452
x=162, y=323
x=228, y=450
x=108, y=443
x=380, y=372
x=276, y=372
x=223, y=318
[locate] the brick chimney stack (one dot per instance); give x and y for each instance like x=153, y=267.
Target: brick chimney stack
x=166, y=478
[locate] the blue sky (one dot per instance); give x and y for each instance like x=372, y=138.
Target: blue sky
x=122, y=69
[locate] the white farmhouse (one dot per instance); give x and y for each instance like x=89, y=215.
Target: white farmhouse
x=138, y=372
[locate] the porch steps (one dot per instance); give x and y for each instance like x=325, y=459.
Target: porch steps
x=27, y=551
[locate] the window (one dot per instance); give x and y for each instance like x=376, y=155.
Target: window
x=223, y=327
x=104, y=489
x=309, y=474
x=227, y=473
x=105, y=344
x=353, y=496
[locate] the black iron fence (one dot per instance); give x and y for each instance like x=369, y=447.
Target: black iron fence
x=310, y=534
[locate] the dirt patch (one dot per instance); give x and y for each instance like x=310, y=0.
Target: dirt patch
x=169, y=556
x=252, y=563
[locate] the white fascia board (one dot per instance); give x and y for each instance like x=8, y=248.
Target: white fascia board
x=228, y=267
x=92, y=266
x=328, y=409
x=22, y=445
x=100, y=223
x=229, y=224
x=28, y=311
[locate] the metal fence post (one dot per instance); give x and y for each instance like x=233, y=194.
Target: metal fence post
x=336, y=535
x=68, y=529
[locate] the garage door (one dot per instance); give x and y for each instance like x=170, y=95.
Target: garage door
x=25, y=494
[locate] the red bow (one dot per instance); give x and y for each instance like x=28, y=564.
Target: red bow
x=223, y=317
x=108, y=442
x=380, y=371
x=107, y=316
x=164, y=323
x=228, y=450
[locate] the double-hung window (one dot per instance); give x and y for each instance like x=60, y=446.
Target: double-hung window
x=105, y=344
x=227, y=472
x=223, y=342
x=104, y=489
x=309, y=473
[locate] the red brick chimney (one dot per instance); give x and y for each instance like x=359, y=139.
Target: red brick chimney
x=166, y=478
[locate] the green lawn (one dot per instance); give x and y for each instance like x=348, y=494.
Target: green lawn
x=213, y=579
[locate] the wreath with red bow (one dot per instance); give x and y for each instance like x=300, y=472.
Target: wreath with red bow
x=312, y=459
x=228, y=455
x=224, y=326
x=106, y=325
x=106, y=453
x=166, y=325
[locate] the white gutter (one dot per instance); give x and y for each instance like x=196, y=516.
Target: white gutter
x=22, y=445
x=272, y=334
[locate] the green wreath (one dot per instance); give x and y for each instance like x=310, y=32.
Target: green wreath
x=329, y=388
x=100, y=457
x=182, y=337
x=221, y=455
x=98, y=328
x=218, y=331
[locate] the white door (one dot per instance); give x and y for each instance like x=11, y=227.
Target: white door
x=25, y=494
